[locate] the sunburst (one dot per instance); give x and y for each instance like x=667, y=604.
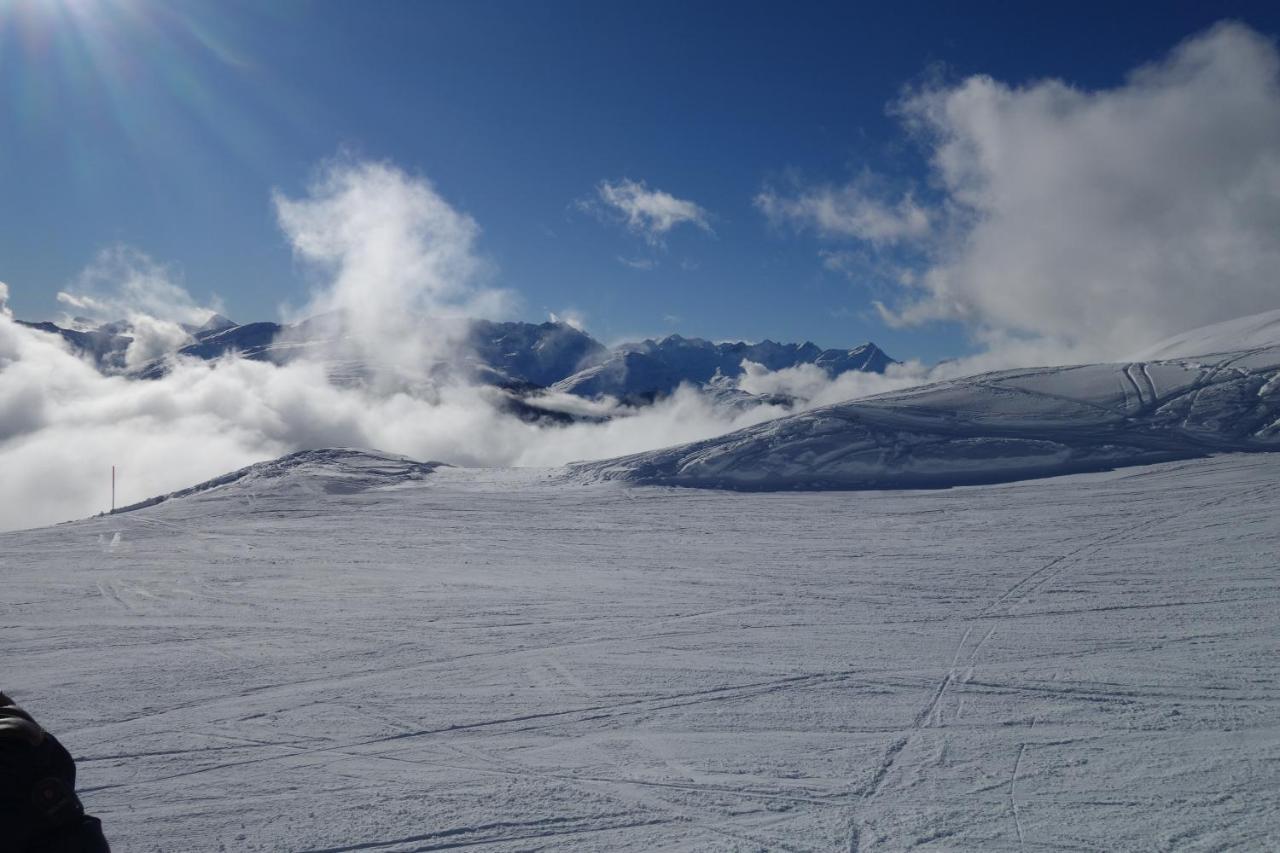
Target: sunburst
x=166, y=77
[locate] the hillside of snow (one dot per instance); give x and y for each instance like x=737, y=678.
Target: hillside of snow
x=501, y=660
x=306, y=472
x=994, y=427
x=1255, y=331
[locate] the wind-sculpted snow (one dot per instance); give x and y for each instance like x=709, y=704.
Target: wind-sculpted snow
x=315, y=472
x=493, y=660
x=990, y=428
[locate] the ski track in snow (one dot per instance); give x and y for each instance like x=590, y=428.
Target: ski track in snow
x=504, y=660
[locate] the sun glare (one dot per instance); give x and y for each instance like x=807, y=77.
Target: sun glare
x=131, y=65
x=41, y=18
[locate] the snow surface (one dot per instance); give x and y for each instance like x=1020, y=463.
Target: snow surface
x=1252, y=331
x=994, y=427
x=338, y=470
x=504, y=660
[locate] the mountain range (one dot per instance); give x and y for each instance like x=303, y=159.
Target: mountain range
x=512, y=355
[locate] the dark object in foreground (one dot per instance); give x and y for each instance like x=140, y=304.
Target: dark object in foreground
x=39, y=809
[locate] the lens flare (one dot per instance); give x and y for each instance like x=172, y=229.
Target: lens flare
x=170, y=80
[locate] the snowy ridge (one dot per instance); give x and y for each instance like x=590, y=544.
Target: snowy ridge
x=994, y=427
x=1243, y=333
x=323, y=471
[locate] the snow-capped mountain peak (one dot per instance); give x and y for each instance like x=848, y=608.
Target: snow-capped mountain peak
x=216, y=323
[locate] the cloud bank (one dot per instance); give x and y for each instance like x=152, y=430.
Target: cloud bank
x=1086, y=222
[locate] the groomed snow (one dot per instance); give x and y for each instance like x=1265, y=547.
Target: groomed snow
x=994, y=427
x=508, y=661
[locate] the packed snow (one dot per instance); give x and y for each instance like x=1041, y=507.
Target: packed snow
x=990, y=428
x=342, y=652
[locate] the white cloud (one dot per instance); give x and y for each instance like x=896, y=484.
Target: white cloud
x=811, y=385
x=123, y=282
x=152, y=339
x=1087, y=222
x=848, y=211
x=571, y=317
x=4, y=299
x=651, y=213
x=391, y=254
x=637, y=263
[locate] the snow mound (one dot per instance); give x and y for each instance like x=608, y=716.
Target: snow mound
x=332, y=471
x=1243, y=333
x=994, y=427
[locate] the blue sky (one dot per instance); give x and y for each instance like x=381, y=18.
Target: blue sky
x=166, y=126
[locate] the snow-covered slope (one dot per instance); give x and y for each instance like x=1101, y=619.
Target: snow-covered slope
x=625, y=375
x=494, y=661
x=539, y=354
x=313, y=472
x=1243, y=333
x=990, y=428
